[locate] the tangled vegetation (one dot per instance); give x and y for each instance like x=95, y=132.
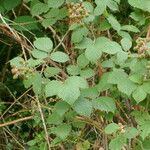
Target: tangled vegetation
x=74, y=75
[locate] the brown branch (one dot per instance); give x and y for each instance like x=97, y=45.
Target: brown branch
x=17, y=38
x=16, y=121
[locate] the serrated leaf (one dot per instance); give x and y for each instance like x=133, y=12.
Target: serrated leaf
x=130, y=28
x=114, y=23
x=145, y=129
x=90, y=93
x=103, y=83
x=17, y=62
x=59, y=57
x=39, y=54
x=122, y=57
x=54, y=119
x=136, y=78
x=83, y=107
x=24, y=23
x=113, y=5
x=69, y=91
x=8, y=4
x=93, y=53
x=108, y=46
x=141, y=4
x=52, y=88
x=51, y=71
x=100, y=8
x=82, y=61
x=39, y=8
x=146, y=87
x=117, y=76
x=126, y=86
x=61, y=108
x=131, y=132
x=139, y=94
x=37, y=83
x=61, y=131
x=117, y=143
x=111, y=128
x=73, y=69
x=79, y=34
x=44, y=44
x=104, y=103
x=77, y=81
x=126, y=43
x=55, y=3
x=87, y=73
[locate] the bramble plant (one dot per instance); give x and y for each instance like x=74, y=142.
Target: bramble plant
x=79, y=74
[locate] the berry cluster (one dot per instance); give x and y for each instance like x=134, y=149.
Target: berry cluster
x=76, y=12
x=142, y=46
x=22, y=71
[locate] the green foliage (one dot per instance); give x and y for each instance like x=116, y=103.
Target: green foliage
x=80, y=70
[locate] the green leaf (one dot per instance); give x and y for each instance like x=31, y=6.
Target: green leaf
x=101, y=44
x=82, y=61
x=139, y=94
x=73, y=70
x=126, y=86
x=105, y=104
x=117, y=143
x=103, y=83
x=130, y=28
x=146, y=87
x=69, y=91
x=54, y=119
x=37, y=83
x=100, y=8
x=77, y=82
x=17, y=62
x=93, y=53
x=90, y=93
x=136, y=78
x=61, y=108
x=59, y=57
x=113, y=5
x=48, y=22
x=24, y=23
x=145, y=129
x=121, y=57
x=8, y=4
x=55, y=3
x=39, y=54
x=51, y=71
x=87, y=73
x=79, y=34
x=112, y=128
x=108, y=46
x=117, y=76
x=83, y=107
x=53, y=16
x=61, y=131
x=34, y=62
x=44, y=44
x=52, y=88
x=39, y=8
x=131, y=132
x=141, y=4
x=84, y=43
x=126, y=44
x=114, y=23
